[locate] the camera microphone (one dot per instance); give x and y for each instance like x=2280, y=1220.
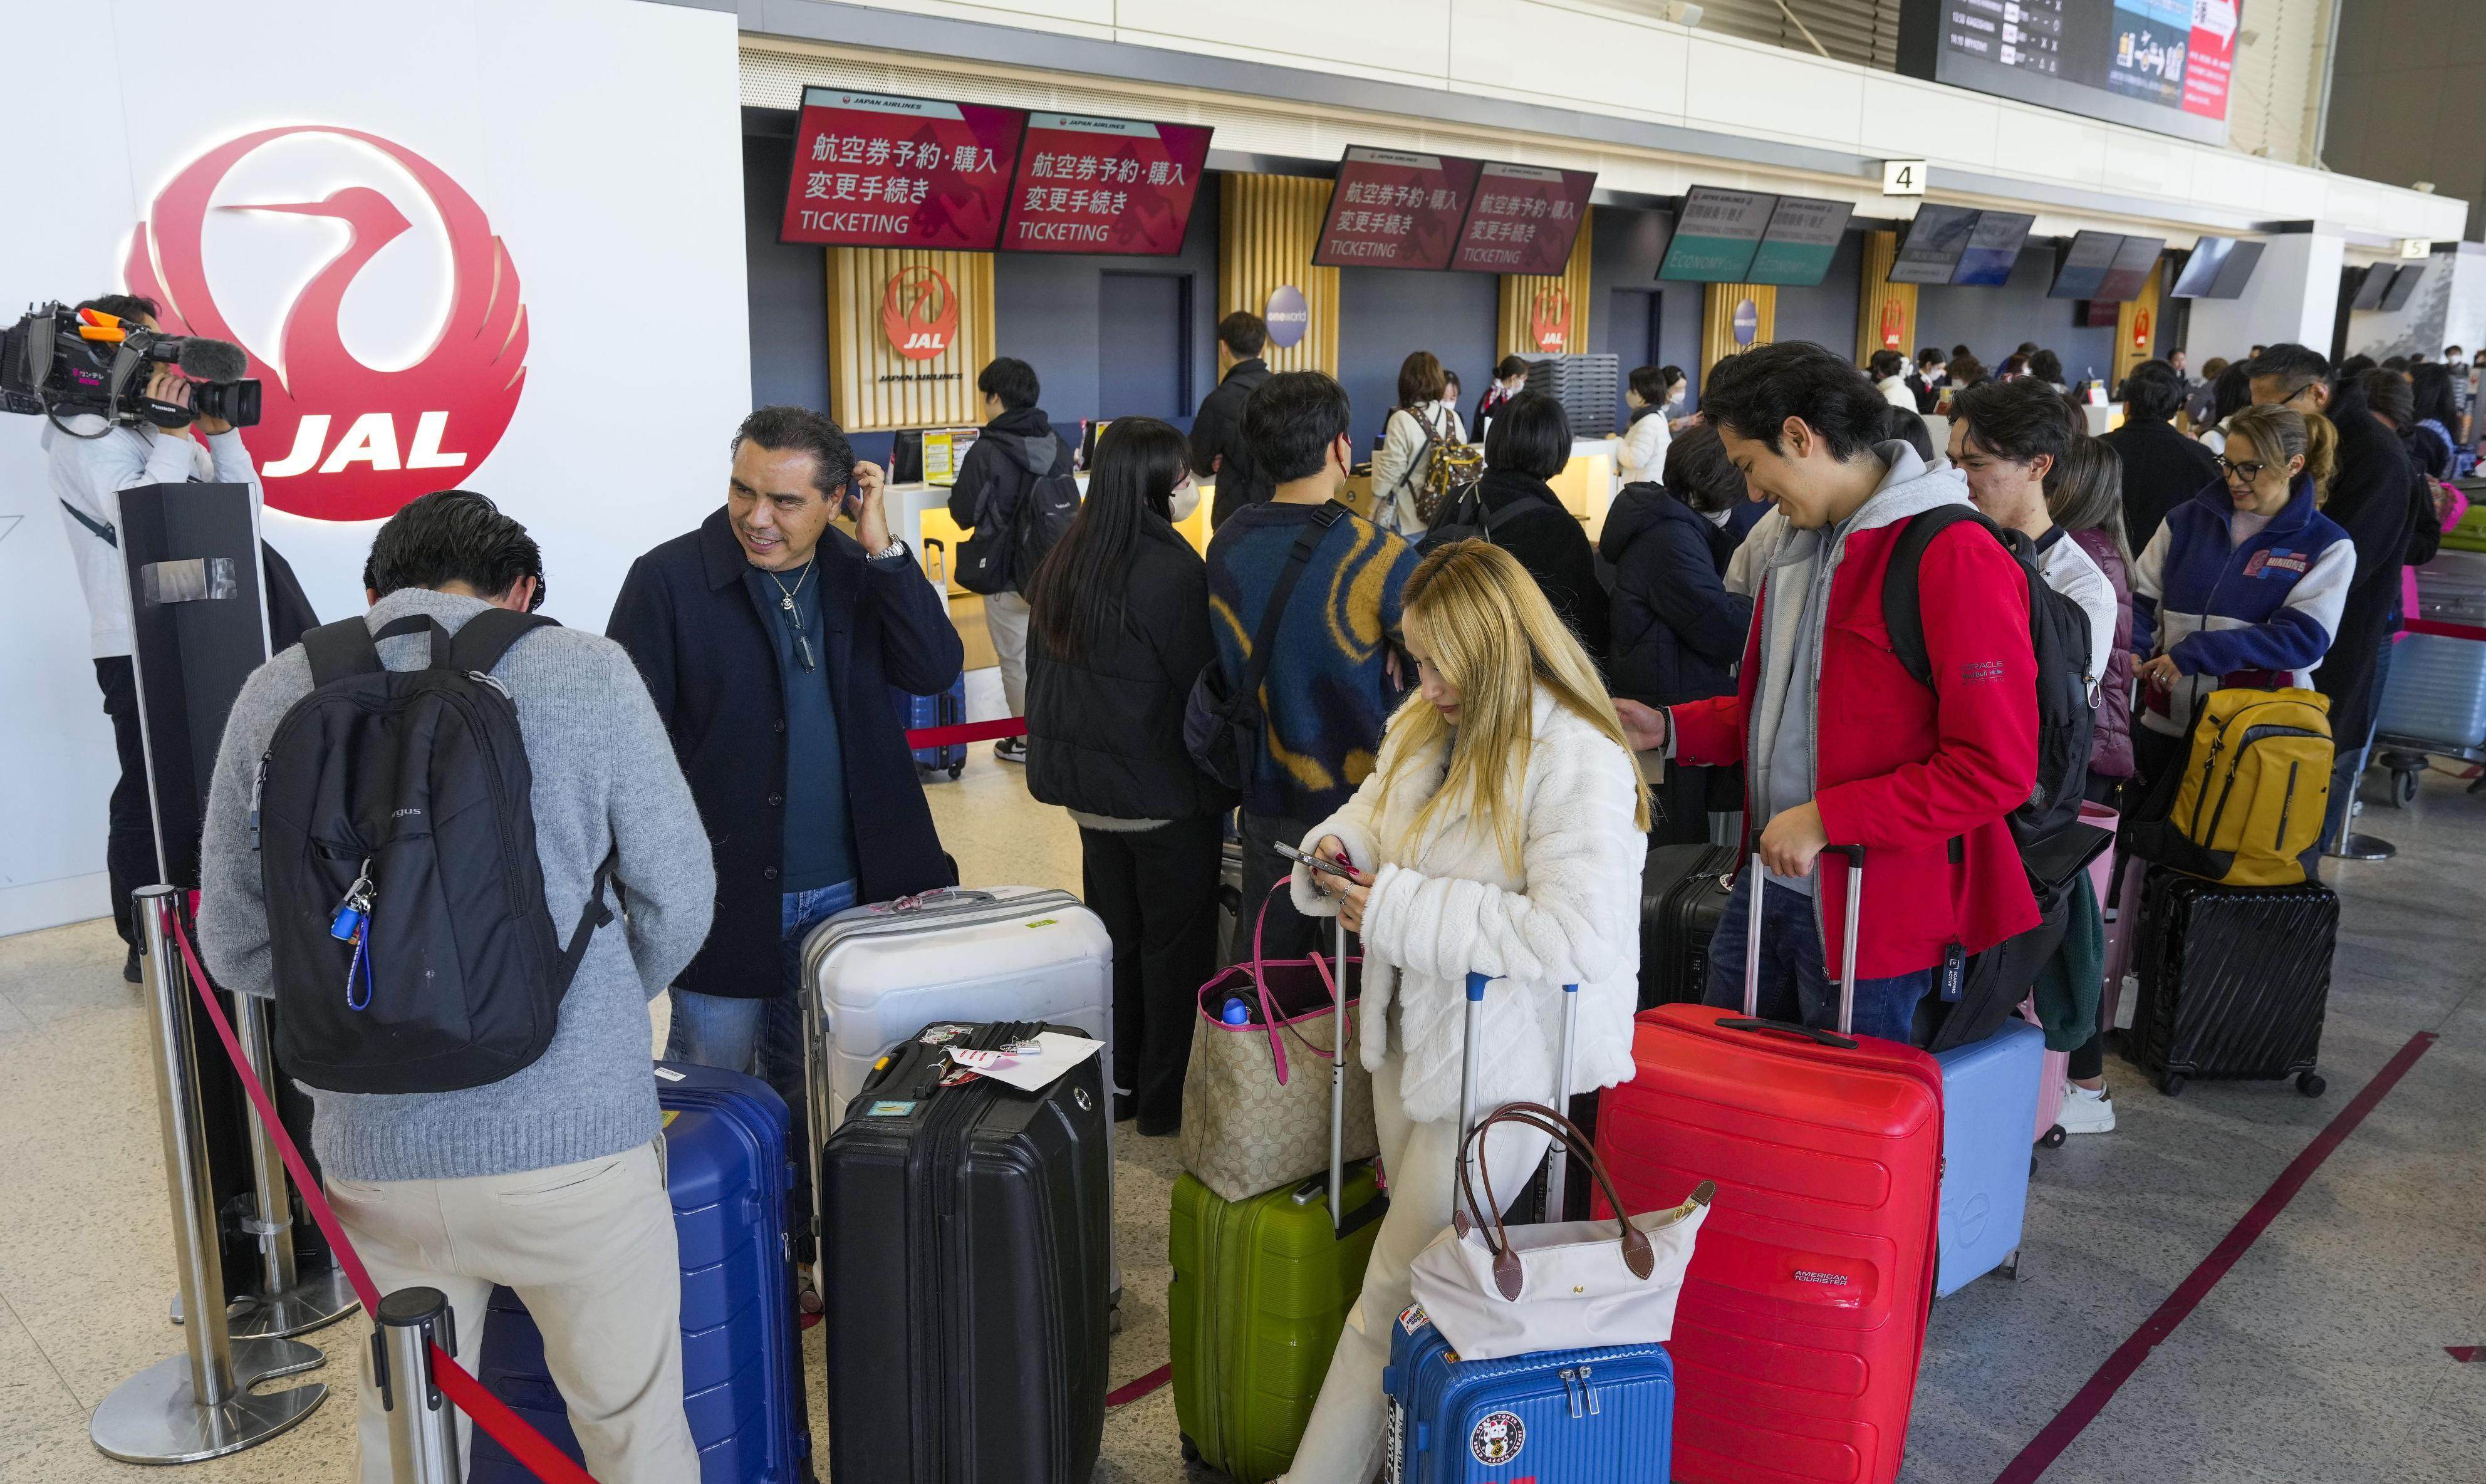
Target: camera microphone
x=211, y=360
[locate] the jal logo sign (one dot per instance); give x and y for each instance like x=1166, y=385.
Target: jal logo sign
x=339, y=437
x=1549, y=320
x=919, y=311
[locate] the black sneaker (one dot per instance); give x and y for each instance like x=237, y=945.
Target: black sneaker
x=129, y=969
x=1010, y=750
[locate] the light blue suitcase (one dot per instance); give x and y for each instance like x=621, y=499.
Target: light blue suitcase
x=1989, y=1105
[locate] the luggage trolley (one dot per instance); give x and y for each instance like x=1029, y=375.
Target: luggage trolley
x=2435, y=701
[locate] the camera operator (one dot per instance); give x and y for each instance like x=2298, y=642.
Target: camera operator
x=92, y=462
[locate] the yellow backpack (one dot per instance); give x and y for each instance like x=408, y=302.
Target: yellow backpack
x=2254, y=791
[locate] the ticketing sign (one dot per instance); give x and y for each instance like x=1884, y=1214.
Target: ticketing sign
x=1524, y=219
x=1089, y=184
x=873, y=169
x=1395, y=208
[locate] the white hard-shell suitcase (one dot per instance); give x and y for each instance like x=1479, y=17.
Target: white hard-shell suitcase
x=874, y=976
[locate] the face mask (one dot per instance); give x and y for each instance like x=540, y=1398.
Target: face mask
x=1184, y=501
x=1674, y=398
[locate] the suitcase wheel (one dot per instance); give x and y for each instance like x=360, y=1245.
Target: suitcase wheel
x=1190, y=1449
x=955, y=769
x=2013, y=1269
x=2173, y=1083
x=1113, y=1320
x=2054, y=1138
x=2403, y=788
x=2310, y=1084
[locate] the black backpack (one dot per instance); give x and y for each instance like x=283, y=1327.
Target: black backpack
x=411, y=950
x=1045, y=510
x=1466, y=519
x=2059, y=631
x=1011, y=536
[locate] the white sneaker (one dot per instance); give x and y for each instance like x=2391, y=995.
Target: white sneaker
x=2085, y=1112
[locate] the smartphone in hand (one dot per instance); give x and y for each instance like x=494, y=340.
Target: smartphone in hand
x=1327, y=867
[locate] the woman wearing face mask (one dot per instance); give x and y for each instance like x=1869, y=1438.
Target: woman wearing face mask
x=1642, y=460
x=1500, y=832
x=1450, y=419
x=1118, y=629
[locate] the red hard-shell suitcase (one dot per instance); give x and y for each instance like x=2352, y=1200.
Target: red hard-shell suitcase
x=1802, y=1317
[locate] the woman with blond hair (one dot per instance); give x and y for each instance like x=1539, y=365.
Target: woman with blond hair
x=1501, y=831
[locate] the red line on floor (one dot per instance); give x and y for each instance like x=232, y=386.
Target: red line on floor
x=2057, y=1434
x=1125, y=1395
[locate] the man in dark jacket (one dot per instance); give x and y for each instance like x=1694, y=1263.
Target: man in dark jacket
x=1016, y=448
x=1677, y=630
x=2369, y=500
x=1216, y=444
x=2161, y=468
x=769, y=640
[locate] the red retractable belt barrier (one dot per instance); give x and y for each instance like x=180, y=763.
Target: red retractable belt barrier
x=968, y=732
x=2442, y=630
x=513, y=1432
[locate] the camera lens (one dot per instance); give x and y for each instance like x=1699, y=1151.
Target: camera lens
x=234, y=401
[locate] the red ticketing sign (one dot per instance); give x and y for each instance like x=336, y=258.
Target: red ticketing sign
x=1088, y=185
x=1524, y=219
x=872, y=170
x=1392, y=209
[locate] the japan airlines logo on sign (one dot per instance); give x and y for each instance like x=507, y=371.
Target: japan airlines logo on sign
x=338, y=438
x=1549, y=320
x=919, y=311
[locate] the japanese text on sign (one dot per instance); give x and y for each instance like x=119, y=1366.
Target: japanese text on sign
x=878, y=171
x=1104, y=185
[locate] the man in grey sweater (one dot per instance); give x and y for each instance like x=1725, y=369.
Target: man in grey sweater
x=551, y=1180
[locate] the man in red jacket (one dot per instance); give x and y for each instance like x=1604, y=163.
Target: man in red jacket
x=1839, y=744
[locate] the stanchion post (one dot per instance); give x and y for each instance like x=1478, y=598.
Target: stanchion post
x=198, y=1405
x=421, y=1424
x=289, y=1302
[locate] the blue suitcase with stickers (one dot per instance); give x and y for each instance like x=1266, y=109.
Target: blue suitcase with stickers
x=1558, y=1416
x=1990, y=1090
x=732, y=1182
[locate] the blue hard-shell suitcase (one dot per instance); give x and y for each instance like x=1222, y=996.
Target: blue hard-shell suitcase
x=1581, y=1417
x=947, y=709
x=731, y=1180
x=1989, y=1105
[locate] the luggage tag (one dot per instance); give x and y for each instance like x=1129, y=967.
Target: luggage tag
x=1955, y=971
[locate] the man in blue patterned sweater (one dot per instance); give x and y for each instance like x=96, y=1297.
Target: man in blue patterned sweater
x=1333, y=674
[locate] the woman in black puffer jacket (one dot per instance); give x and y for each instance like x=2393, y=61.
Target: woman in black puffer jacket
x=1117, y=632
x=1677, y=631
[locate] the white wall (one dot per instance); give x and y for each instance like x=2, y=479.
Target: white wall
x=1611, y=59
x=601, y=140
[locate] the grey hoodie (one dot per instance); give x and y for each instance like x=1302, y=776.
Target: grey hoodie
x=1783, y=745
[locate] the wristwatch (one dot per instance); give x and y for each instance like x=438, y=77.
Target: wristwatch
x=894, y=548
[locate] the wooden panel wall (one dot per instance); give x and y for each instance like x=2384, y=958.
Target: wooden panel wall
x=1517, y=334
x=871, y=386
x=2130, y=350
x=1718, y=320
x=1267, y=228
x=1882, y=299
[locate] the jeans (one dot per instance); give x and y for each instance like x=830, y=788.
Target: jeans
x=1156, y=890
x=130, y=839
x=763, y=1036
x=1794, y=984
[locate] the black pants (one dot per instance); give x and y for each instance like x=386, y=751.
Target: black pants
x=1289, y=934
x=1156, y=890
x=129, y=845
x=1679, y=806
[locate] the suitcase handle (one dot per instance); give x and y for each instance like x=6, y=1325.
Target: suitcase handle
x=1829, y=1038
x=1855, y=855
x=1472, y=1056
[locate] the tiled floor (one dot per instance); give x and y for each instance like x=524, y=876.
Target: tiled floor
x=2320, y=1357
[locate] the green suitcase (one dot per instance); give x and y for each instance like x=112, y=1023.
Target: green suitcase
x=1260, y=1289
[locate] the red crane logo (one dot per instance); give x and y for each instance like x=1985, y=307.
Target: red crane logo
x=919, y=311
x=338, y=440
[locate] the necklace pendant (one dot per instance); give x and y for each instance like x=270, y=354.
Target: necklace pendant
x=786, y=600
x=803, y=650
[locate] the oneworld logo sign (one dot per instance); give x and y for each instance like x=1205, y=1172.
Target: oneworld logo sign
x=339, y=439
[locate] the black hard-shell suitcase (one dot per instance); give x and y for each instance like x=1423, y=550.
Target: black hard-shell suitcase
x=2234, y=981
x=969, y=1230
x=1682, y=894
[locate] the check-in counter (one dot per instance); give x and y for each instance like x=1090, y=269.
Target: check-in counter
x=920, y=513
x=1586, y=486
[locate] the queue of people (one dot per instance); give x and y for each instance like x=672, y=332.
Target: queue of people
x=1453, y=721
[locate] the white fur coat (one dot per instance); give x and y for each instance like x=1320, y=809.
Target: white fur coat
x=1449, y=903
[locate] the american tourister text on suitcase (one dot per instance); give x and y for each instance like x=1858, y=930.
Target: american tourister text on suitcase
x=1598, y=1415
x=1802, y=1322
x=1261, y=1290
x=967, y=1243
x=731, y=1179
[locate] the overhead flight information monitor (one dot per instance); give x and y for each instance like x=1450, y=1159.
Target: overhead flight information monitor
x=1086, y=184
x=1395, y=208
x=1993, y=246
x=2403, y=284
x=2201, y=268
x=2237, y=271
x=2084, y=266
x=1523, y=219
x=1717, y=235
x=1934, y=243
x=2158, y=64
x=1801, y=239
x=2129, y=272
